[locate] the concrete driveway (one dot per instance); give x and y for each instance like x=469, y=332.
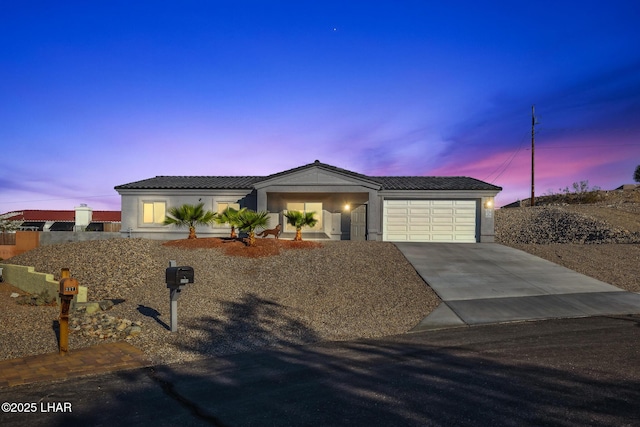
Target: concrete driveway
x=482, y=283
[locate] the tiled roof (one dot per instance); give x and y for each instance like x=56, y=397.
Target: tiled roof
x=317, y=163
x=247, y=182
x=106, y=216
x=63, y=216
x=433, y=183
x=193, y=182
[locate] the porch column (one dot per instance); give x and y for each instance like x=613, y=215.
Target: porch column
x=261, y=200
x=373, y=216
x=487, y=220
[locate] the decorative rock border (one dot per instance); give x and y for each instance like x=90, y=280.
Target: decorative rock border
x=90, y=320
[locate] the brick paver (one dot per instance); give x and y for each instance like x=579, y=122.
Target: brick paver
x=98, y=359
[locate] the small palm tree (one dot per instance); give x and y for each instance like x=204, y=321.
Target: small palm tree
x=230, y=216
x=249, y=220
x=299, y=220
x=189, y=216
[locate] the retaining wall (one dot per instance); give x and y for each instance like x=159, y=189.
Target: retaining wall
x=27, y=279
x=54, y=237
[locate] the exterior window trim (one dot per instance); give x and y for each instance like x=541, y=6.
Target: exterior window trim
x=234, y=205
x=155, y=222
x=319, y=227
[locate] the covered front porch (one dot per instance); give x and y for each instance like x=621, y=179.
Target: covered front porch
x=340, y=216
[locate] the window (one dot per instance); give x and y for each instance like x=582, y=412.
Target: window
x=222, y=206
x=153, y=213
x=305, y=207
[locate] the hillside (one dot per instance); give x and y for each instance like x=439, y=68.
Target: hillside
x=589, y=218
x=600, y=239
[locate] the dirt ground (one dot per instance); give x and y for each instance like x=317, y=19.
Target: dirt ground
x=237, y=247
x=616, y=264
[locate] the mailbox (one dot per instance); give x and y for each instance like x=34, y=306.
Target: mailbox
x=69, y=286
x=179, y=276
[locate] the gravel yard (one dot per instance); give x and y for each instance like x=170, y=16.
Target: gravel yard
x=341, y=290
x=601, y=241
x=300, y=293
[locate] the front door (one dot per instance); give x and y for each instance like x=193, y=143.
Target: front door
x=358, y=229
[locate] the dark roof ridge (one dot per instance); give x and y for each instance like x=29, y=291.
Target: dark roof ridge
x=390, y=182
x=318, y=163
x=204, y=176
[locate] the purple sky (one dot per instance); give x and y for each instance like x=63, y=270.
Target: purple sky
x=101, y=93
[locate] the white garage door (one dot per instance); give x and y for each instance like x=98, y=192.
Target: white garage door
x=429, y=221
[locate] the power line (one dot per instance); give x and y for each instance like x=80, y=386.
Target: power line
x=586, y=129
x=507, y=161
x=586, y=146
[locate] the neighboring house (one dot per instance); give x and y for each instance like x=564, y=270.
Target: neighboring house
x=82, y=218
x=349, y=205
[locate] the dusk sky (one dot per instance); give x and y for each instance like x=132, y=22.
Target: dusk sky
x=95, y=94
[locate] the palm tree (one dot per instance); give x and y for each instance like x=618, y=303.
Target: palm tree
x=299, y=220
x=230, y=216
x=189, y=216
x=249, y=220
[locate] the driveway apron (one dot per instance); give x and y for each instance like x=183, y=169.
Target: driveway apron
x=482, y=283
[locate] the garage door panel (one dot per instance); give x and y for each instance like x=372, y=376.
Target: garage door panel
x=465, y=220
x=398, y=211
x=397, y=237
x=441, y=228
x=419, y=220
x=419, y=238
x=397, y=220
x=419, y=210
x=442, y=220
x=418, y=228
x=442, y=211
x=442, y=238
x=429, y=220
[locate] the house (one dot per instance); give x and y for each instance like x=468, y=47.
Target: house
x=43, y=227
x=348, y=205
x=82, y=218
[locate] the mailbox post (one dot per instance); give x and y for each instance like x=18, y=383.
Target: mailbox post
x=177, y=278
x=68, y=288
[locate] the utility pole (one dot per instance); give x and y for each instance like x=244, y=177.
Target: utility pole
x=533, y=144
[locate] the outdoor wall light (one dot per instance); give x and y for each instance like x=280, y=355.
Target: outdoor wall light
x=347, y=206
x=488, y=204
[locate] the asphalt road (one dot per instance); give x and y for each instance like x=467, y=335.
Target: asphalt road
x=572, y=372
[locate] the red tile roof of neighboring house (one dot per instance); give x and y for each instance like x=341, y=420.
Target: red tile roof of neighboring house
x=63, y=216
x=106, y=216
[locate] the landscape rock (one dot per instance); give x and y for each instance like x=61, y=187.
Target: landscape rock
x=105, y=304
x=103, y=326
x=305, y=293
x=557, y=224
x=92, y=307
